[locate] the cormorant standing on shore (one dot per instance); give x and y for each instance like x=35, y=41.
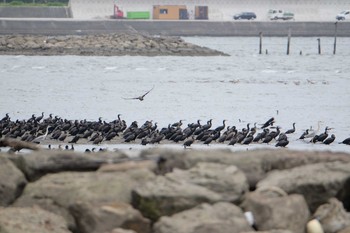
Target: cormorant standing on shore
x=329, y=140
x=75, y=139
x=6, y=118
x=282, y=143
x=345, y=141
x=291, y=130
x=304, y=134
x=39, y=118
x=62, y=137
x=248, y=139
x=321, y=137
x=221, y=127
x=188, y=142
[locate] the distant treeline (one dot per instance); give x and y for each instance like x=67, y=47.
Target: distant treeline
x=44, y=2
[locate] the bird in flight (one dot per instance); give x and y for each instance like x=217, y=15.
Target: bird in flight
x=269, y=123
x=141, y=97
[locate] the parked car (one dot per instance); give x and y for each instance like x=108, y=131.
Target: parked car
x=343, y=15
x=245, y=15
x=280, y=14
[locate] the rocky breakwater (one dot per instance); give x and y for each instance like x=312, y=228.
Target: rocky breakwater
x=177, y=191
x=101, y=45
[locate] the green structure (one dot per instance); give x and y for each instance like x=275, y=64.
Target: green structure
x=138, y=15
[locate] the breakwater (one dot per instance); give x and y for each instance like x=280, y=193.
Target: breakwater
x=171, y=28
x=100, y=45
x=174, y=191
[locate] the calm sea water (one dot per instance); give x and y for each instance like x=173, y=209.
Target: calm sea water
x=243, y=88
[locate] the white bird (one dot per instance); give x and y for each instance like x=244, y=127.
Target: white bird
x=310, y=81
x=313, y=132
x=42, y=137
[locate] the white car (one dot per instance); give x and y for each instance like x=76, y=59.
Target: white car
x=343, y=15
x=280, y=14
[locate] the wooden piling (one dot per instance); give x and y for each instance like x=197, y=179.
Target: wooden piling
x=335, y=38
x=288, y=43
x=319, y=45
x=260, y=43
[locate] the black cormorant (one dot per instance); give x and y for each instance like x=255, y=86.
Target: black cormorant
x=291, y=130
x=321, y=137
x=282, y=143
x=189, y=142
x=329, y=140
x=221, y=127
x=345, y=141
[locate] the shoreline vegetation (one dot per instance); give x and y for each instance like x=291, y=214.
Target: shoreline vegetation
x=34, y=3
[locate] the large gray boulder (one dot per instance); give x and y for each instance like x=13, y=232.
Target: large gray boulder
x=273, y=209
x=120, y=230
x=24, y=220
x=119, y=167
x=184, y=189
x=226, y=180
x=316, y=182
x=345, y=230
x=332, y=216
x=271, y=231
x=67, y=193
x=164, y=196
x=97, y=218
x=36, y=164
x=220, y=217
x=12, y=182
x=254, y=163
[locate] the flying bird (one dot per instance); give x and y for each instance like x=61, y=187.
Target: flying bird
x=141, y=98
x=268, y=123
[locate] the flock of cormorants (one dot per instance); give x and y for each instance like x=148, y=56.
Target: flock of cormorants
x=37, y=129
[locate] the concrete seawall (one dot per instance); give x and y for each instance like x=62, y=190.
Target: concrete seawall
x=171, y=28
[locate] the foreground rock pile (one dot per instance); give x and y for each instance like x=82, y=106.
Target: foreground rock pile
x=101, y=45
x=180, y=191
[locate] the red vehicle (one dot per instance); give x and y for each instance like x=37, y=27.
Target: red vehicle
x=118, y=14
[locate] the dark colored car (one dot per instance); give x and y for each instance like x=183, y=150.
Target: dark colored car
x=245, y=15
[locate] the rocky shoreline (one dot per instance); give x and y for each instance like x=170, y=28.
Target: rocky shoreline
x=162, y=191
x=101, y=45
